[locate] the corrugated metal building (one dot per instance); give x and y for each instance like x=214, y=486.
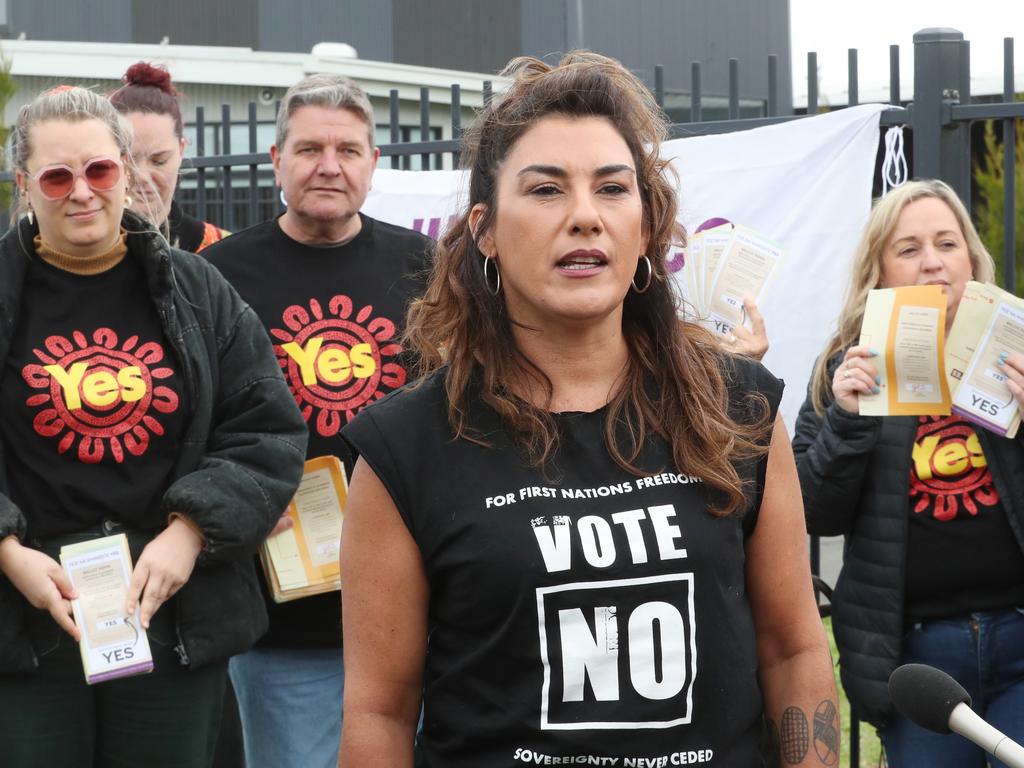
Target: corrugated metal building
x=466, y=35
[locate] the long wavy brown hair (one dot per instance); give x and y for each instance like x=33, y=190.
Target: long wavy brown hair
x=673, y=386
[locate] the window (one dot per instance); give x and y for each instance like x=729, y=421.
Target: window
x=677, y=107
x=407, y=134
x=213, y=138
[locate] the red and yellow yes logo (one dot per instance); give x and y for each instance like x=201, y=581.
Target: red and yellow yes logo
x=332, y=364
x=338, y=361
x=100, y=395
x=950, y=472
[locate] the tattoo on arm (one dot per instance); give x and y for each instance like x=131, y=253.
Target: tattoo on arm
x=826, y=732
x=794, y=738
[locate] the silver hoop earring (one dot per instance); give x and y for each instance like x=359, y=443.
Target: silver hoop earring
x=31, y=217
x=127, y=201
x=283, y=201
x=497, y=274
x=650, y=275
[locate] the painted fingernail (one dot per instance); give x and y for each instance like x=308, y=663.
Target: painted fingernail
x=873, y=352
x=875, y=390
x=1003, y=355
x=877, y=380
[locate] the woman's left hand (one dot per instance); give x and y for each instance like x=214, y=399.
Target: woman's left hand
x=163, y=568
x=1013, y=366
x=751, y=343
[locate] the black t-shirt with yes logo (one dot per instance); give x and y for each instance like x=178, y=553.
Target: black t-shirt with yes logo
x=92, y=401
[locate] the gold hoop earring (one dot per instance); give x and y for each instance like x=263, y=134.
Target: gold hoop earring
x=650, y=275
x=497, y=272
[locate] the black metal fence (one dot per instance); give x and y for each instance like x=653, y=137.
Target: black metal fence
x=235, y=189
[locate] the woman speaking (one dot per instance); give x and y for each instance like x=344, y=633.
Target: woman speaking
x=579, y=538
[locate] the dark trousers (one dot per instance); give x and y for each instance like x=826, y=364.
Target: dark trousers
x=230, y=747
x=168, y=718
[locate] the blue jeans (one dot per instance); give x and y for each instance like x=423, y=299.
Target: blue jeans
x=289, y=700
x=985, y=654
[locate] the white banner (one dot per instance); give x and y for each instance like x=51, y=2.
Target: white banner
x=806, y=184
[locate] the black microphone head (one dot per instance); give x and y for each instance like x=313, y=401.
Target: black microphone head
x=926, y=695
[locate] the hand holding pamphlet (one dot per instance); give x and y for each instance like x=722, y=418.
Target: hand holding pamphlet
x=303, y=560
x=989, y=323
x=113, y=644
x=723, y=266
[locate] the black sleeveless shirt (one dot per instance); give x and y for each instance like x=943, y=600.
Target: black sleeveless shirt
x=579, y=615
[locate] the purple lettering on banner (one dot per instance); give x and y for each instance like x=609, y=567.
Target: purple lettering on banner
x=433, y=228
x=430, y=227
x=712, y=223
x=677, y=260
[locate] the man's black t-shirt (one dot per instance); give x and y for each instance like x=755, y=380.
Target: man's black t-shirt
x=581, y=615
x=334, y=315
x=92, y=400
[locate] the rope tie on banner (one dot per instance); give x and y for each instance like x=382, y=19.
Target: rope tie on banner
x=894, y=166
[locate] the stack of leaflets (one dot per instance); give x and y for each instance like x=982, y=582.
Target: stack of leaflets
x=988, y=323
x=924, y=372
x=723, y=266
x=303, y=560
x=113, y=644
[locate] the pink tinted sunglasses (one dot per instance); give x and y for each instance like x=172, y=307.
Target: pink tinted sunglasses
x=57, y=181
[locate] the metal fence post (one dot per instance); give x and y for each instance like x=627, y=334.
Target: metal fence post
x=940, y=144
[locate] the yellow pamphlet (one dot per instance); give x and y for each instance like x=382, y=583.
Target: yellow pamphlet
x=303, y=560
x=907, y=327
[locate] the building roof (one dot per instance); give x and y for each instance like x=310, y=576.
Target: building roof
x=222, y=65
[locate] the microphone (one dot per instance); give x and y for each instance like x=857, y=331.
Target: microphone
x=934, y=700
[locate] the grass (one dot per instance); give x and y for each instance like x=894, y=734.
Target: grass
x=870, y=747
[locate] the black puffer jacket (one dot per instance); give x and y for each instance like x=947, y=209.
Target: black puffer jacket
x=239, y=460
x=855, y=478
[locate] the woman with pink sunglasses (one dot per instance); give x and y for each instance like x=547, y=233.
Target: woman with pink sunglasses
x=138, y=396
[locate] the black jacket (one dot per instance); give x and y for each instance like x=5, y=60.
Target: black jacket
x=238, y=462
x=855, y=478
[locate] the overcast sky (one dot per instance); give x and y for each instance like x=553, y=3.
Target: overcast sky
x=831, y=28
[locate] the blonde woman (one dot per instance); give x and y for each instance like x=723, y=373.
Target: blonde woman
x=138, y=395
x=932, y=508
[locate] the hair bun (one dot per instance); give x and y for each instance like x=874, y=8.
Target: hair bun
x=144, y=73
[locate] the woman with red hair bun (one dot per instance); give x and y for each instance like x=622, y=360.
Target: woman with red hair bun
x=149, y=101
